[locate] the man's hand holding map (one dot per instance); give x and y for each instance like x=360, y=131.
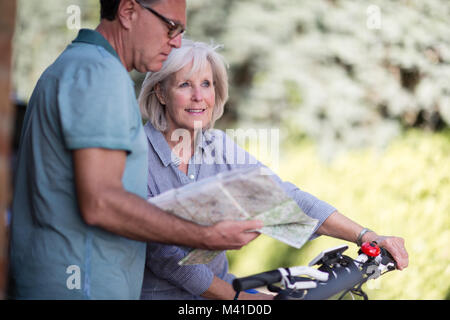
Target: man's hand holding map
x=238, y=195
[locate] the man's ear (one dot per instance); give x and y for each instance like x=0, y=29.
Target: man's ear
x=127, y=12
x=159, y=94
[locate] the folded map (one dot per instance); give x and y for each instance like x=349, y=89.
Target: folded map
x=238, y=194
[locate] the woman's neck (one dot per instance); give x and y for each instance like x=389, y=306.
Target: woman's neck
x=181, y=143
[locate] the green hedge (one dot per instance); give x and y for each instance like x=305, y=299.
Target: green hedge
x=403, y=190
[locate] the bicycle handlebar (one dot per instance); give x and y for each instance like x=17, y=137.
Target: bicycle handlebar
x=270, y=277
x=257, y=280
x=341, y=277
x=336, y=273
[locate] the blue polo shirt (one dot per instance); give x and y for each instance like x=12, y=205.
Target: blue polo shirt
x=85, y=99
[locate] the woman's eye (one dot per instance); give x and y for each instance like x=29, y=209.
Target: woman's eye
x=184, y=85
x=206, y=83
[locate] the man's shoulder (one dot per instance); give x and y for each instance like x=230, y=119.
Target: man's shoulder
x=79, y=58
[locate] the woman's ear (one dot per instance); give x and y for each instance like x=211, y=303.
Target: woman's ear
x=159, y=94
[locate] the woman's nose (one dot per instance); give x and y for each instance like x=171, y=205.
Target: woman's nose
x=197, y=94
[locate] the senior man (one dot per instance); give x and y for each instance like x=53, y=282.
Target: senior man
x=79, y=216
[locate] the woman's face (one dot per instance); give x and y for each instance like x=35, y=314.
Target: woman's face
x=189, y=99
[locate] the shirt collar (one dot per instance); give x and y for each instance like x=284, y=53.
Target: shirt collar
x=207, y=138
x=162, y=149
x=95, y=38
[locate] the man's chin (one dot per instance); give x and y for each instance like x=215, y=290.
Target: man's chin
x=154, y=67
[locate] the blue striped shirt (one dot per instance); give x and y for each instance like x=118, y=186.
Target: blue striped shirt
x=163, y=277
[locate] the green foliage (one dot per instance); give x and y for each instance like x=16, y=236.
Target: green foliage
x=327, y=69
x=401, y=191
x=317, y=67
x=41, y=34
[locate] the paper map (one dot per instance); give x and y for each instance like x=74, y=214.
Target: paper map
x=238, y=195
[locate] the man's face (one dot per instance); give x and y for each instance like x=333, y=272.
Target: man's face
x=151, y=41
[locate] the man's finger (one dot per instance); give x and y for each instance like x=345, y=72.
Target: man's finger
x=249, y=236
x=252, y=225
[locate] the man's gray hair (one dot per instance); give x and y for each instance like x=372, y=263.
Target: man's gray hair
x=199, y=54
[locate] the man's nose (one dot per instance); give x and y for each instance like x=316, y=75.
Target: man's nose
x=176, y=42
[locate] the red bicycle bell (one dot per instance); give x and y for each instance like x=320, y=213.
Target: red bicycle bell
x=370, y=248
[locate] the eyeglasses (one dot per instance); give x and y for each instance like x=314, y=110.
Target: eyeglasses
x=175, y=28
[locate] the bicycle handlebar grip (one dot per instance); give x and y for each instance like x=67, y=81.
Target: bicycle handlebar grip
x=372, y=249
x=257, y=280
x=387, y=258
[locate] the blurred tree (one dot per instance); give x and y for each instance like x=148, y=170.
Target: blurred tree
x=43, y=30
x=7, y=19
x=346, y=73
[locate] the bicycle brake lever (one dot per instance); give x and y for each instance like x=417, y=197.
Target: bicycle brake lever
x=387, y=260
x=373, y=271
x=308, y=271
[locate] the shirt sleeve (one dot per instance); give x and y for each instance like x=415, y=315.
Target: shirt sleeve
x=311, y=205
x=94, y=107
x=163, y=260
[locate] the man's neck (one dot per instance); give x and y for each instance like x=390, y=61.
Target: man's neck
x=108, y=30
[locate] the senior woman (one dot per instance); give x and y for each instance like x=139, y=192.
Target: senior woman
x=189, y=93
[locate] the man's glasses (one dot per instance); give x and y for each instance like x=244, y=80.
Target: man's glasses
x=175, y=28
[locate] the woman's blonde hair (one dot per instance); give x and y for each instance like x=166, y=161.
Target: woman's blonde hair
x=199, y=54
